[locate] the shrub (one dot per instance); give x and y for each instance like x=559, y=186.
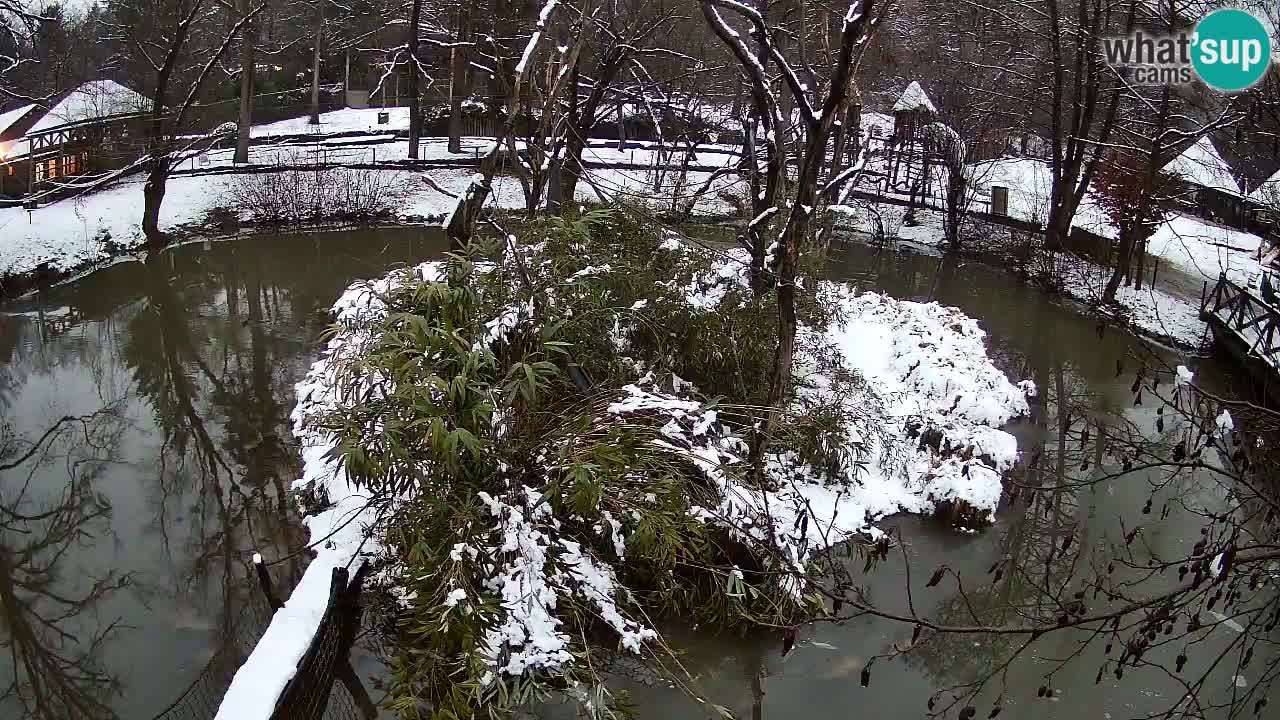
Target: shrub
x=558, y=429
x=311, y=195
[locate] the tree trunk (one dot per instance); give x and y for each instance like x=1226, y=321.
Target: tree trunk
x=793, y=235
x=1121, y=269
x=157, y=164
x=1140, y=254
x=247, y=67
x=152, y=198
x=415, y=105
x=570, y=169
x=1058, y=225
x=315, y=69
x=458, y=79
x=622, y=128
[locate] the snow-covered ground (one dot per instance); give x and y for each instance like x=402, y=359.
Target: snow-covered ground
x=1200, y=248
x=1157, y=312
x=71, y=234
x=344, y=120
x=1167, y=316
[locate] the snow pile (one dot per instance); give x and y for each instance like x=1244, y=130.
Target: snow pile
x=938, y=441
x=929, y=363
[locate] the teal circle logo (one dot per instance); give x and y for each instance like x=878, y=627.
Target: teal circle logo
x=1232, y=50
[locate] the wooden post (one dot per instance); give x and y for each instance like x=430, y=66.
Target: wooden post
x=264, y=582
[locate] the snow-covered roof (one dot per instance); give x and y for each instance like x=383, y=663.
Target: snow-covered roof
x=914, y=98
x=1200, y=164
x=93, y=100
x=9, y=117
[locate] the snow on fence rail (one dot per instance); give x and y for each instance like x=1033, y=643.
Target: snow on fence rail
x=310, y=693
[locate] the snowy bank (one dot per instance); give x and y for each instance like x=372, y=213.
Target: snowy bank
x=73, y=234
x=938, y=441
x=1198, y=247
x=1165, y=312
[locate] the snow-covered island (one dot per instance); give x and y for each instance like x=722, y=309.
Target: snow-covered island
x=523, y=509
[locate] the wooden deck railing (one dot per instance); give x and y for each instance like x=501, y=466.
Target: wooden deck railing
x=1250, y=318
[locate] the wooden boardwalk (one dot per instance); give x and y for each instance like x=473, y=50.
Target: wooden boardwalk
x=1247, y=328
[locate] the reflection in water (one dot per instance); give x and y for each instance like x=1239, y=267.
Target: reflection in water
x=45, y=613
x=147, y=525
x=124, y=542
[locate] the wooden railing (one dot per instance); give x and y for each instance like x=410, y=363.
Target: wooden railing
x=1250, y=318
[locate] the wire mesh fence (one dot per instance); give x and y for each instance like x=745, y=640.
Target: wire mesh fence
x=308, y=694
x=200, y=699
x=312, y=694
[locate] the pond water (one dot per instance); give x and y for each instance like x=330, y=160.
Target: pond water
x=145, y=514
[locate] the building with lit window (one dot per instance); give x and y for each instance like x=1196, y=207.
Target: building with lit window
x=92, y=129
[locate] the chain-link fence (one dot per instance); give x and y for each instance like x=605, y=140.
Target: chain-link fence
x=312, y=694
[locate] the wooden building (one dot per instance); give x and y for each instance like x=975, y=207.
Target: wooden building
x=1209, y=185
x=94, y=128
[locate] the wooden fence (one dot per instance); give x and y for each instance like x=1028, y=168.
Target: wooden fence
x=1246, y=327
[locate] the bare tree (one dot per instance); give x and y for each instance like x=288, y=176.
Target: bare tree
x=782, y=259
x=621, y=37
x=460, y=224
x=180, y=42
x=17, y=51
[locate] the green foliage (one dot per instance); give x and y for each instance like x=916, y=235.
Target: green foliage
x=465, y=408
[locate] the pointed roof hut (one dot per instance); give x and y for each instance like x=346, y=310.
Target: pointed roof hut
x=912, y=112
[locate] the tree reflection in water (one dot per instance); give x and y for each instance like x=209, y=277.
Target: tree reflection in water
x=202, y=346
x=49, y=635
